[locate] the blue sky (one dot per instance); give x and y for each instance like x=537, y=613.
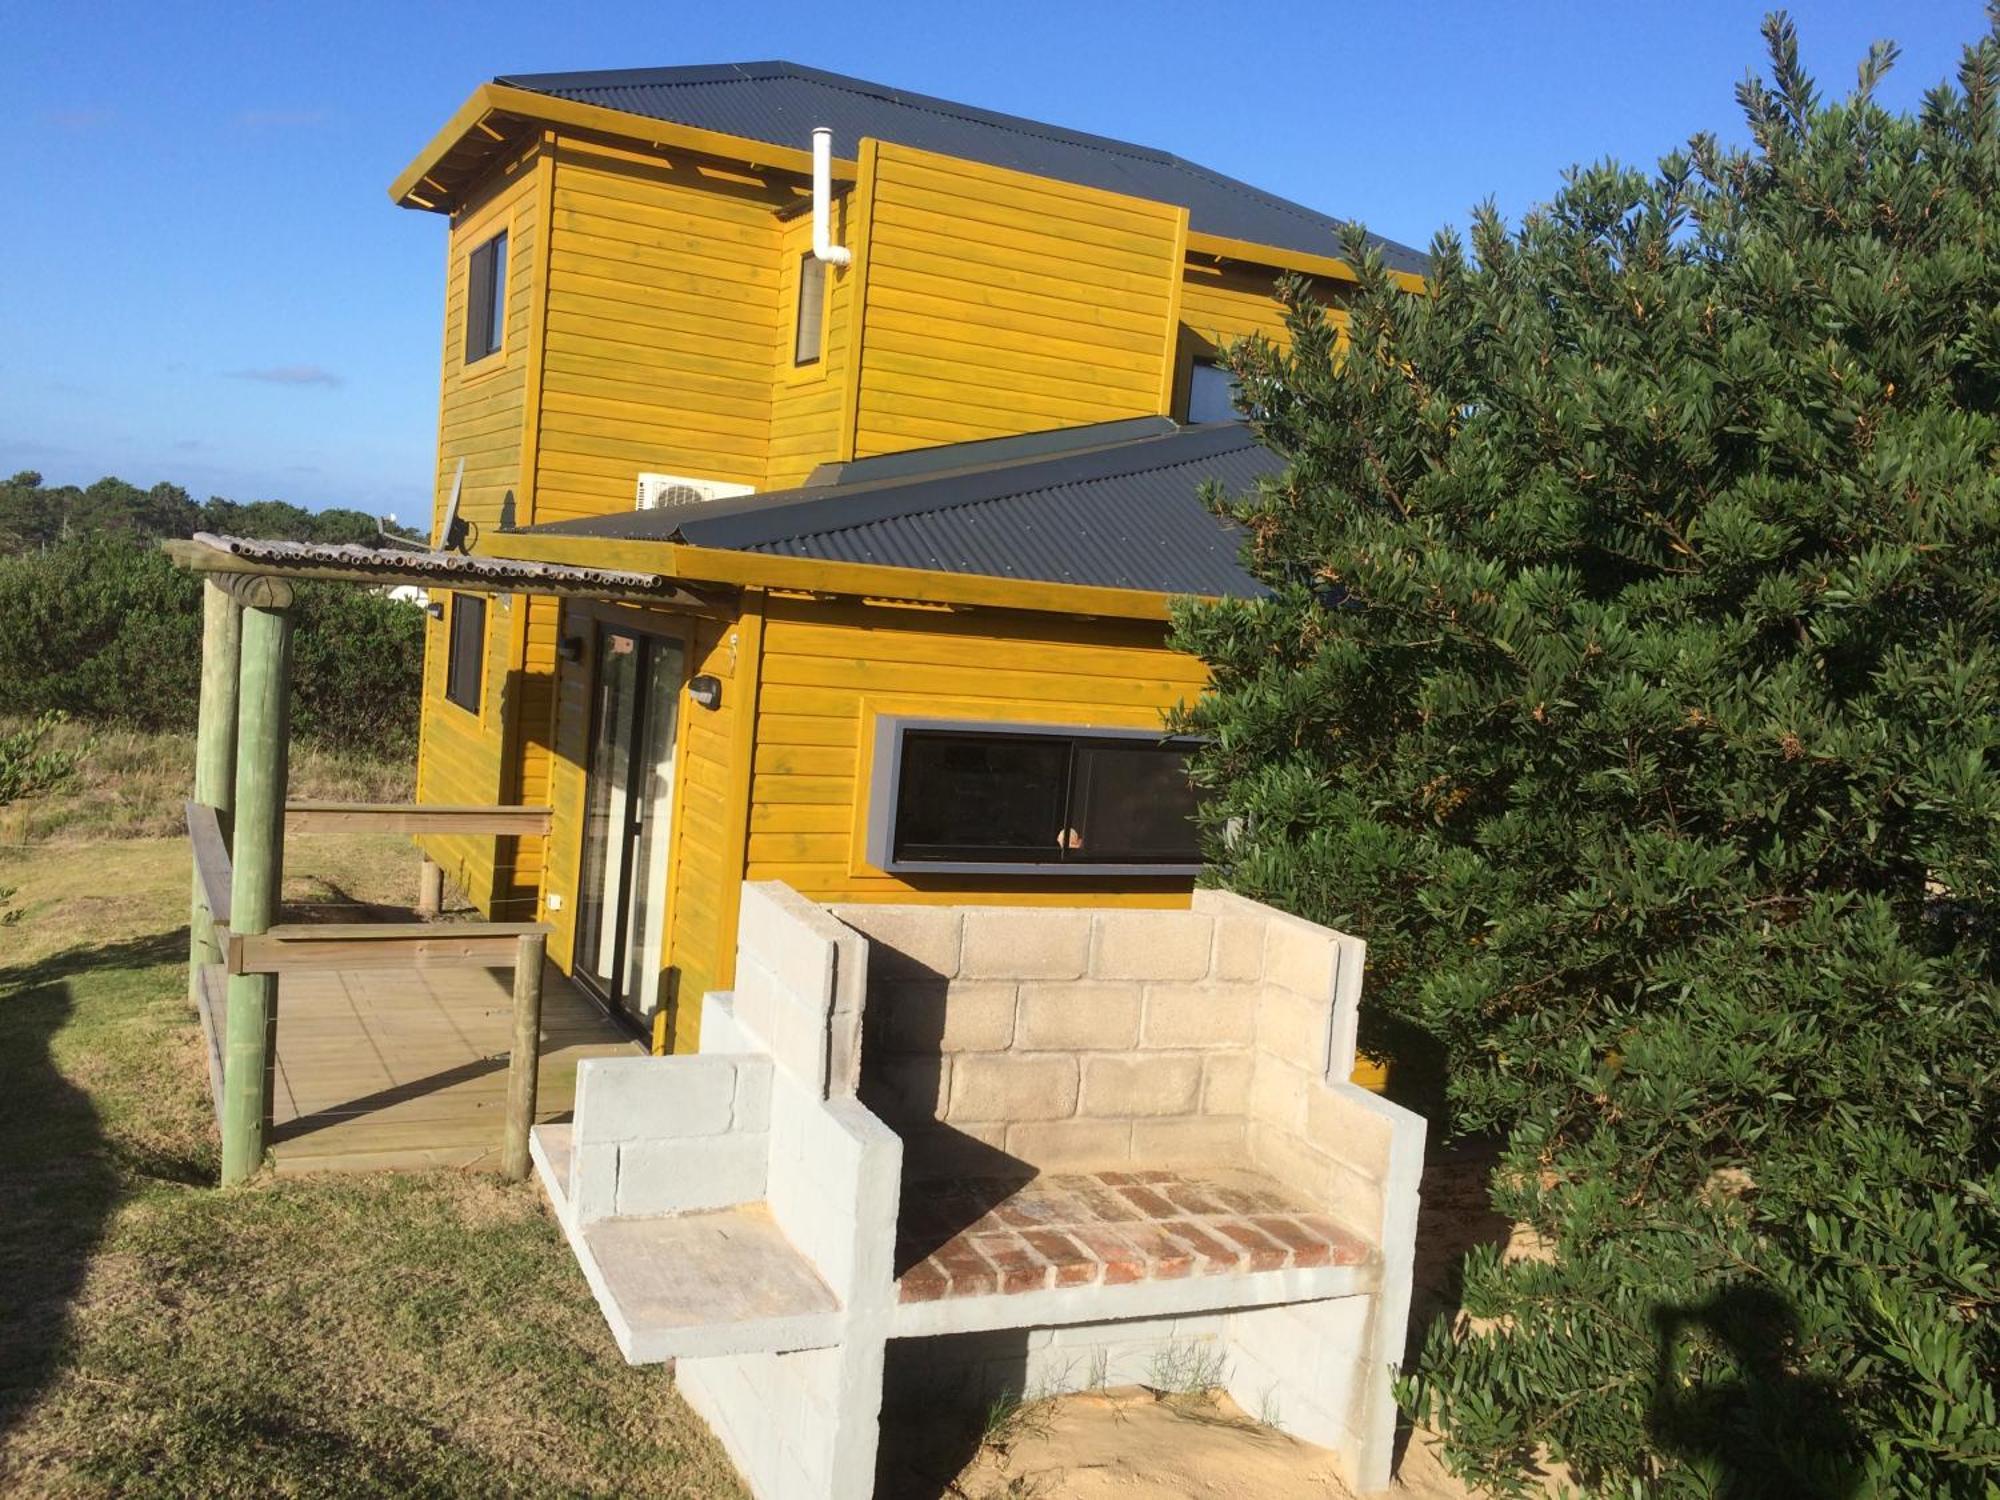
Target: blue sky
x=203, y=279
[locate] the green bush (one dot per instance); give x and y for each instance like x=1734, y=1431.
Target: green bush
x=1630, y=681
x=104, y=628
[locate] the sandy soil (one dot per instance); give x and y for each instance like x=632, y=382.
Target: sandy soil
x=1133, y=1445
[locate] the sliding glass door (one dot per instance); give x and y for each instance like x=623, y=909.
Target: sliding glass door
x=628, y=814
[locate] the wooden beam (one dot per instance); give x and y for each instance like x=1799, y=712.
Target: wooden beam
x=378, y=945
x=211, y=871
x=254, y=590
x=257, y=872
x=211, y=999
x=414, y=817
x=214, y=768
x=525, y=1058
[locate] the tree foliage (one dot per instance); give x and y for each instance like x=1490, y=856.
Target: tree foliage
x=96, y=623
x=1629, y=679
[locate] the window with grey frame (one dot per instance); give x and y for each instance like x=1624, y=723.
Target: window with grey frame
x=486, y=298
x=811, y=323
x=465, y=656
x=962, y=798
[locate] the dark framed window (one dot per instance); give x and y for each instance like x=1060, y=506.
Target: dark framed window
x=1212, y=393
x=994, y=798
x=465, y=660
x=486, y=298
x=811, y=322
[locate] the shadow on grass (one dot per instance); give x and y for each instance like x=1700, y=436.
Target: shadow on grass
x=62, y=1173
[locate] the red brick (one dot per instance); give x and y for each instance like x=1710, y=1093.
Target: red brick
x=1167, y=1259
x=1308, y=1249
x=1213, y=1255
x=924, y=1282
x=1105, y=1206
x=970, y=1275
x=1193, y=1198
x=1075, y=1266
x=1264, y=1253
x=1148, y=1202
x=1116, y=1179
x=1249, y=1200
x=1021, y=1270
x=1123, y=1261
x=1345, y=1247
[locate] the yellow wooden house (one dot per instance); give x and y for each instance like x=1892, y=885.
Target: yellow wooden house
x=921, y=441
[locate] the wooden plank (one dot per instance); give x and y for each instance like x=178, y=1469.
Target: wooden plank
x=400, y=817
x=211, y=998
x=211, y=860
x=388, y=945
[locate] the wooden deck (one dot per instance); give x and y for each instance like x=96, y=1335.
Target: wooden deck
x=403, y=1068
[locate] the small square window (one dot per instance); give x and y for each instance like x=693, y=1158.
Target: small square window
x=465, y=661
x=812, y=310
x=486, y=299
x=1212, y=393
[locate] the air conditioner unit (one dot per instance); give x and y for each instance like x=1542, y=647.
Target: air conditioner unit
x=672, y=491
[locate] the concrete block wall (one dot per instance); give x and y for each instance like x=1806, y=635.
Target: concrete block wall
x=658, y=1135
x=799, y=1425
x=1061, y=1038
x=801, y=977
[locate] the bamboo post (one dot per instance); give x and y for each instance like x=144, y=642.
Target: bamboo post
x=257, y=860
x=430, y=887
x=214, y=751
x=524, y=1063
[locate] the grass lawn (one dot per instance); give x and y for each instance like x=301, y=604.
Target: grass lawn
x=419, y=1334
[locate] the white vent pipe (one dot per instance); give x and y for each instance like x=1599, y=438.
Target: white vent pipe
x=823, y=246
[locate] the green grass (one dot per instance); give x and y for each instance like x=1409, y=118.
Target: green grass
x=426, y=1334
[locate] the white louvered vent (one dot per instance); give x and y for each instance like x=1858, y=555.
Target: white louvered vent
x=672, y=491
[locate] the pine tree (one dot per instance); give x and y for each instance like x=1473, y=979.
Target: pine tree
x=1631, y=681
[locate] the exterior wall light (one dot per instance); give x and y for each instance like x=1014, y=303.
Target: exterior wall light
x=570, y=649
x=707, y=691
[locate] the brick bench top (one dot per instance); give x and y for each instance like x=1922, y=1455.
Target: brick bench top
x=973, y=1237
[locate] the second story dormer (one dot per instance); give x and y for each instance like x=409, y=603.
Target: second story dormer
x=632, y=288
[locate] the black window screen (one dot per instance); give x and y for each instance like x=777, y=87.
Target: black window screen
x=486, y=298
x=989, y=797
x=465, y=661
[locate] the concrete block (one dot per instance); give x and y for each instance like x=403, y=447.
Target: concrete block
x=908, y=1089
x=1149, y=1084
x=1010, y=1086
x=1238, y=955
x=1021, y=942
x=685, y=1176
x=1300, y=956
x=1190, y=1142
x=1282, y=1155
x=790, y=937
x=1150, y=945
x=1199, y=1015
x=1337, y=1124
x=647, y=1098
x=907, y=941
x=1225, y=1083
x=751, y=1110
x=1068, y=1145
x=1086, y=1015
x=1278, y=1094
x=720, y=1030
x=929, y=1016
x=1294, y=1028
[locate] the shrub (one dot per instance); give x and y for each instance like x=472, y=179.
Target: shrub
x=1630, y=681
x=104, y=628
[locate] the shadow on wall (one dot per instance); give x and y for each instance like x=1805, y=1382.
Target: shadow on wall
x=63, y=1177
x=941, y=1400
x=1767, y=1432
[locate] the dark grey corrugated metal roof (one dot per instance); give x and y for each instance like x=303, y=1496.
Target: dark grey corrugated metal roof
x=780, y=103
x=1120, y=507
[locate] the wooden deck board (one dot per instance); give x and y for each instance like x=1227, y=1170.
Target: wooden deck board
x=383, y=1070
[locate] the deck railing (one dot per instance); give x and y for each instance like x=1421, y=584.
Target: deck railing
x=281, y=948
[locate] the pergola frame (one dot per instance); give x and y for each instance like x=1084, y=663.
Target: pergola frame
x=239, y=815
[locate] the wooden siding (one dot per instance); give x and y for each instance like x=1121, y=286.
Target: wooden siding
x=996, y=303
x=482, y=417
x=806, y=402
x=1222, y=302
x=662, y=317
x=828, y=665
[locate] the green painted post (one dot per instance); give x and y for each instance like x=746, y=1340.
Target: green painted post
x=214, y=750
x=257, y=859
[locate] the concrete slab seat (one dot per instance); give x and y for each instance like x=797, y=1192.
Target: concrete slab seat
x=1097, y=1134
